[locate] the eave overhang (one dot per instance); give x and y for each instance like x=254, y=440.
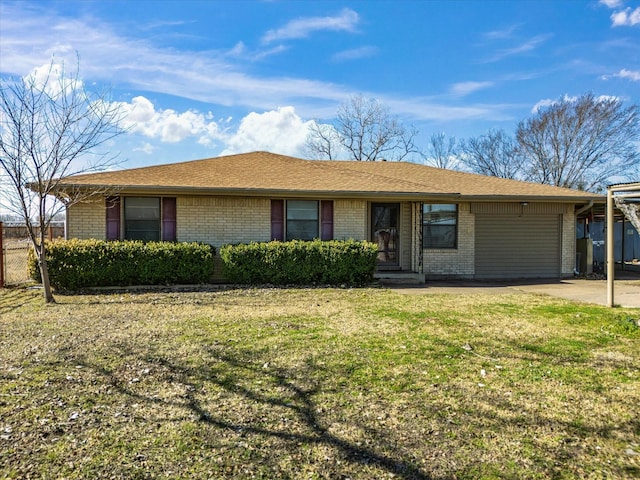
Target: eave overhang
x=307, y=193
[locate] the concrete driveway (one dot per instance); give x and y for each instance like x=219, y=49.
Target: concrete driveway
x=626, y=290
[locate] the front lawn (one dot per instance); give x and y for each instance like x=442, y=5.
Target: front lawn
x=317, y=383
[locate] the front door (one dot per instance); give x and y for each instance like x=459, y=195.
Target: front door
x=384, y=232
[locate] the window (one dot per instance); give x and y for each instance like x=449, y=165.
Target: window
x=439, y=225
x=142, y=218
x=302, y=220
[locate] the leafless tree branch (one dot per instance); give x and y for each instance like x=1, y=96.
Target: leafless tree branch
x=581, y=143
x=441, y=152
x=51, y=127
x=365, y=129
x=494, y=153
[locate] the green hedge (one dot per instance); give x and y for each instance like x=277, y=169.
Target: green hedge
x=75, y=264
x=300, y=263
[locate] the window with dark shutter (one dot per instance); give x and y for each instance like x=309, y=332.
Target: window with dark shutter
x=301, y=219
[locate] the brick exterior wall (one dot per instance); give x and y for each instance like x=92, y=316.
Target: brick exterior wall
x=221, y=220
x=568, y=242
x=459, y=262
x=350, y=219
x=405, y=229
x=87, y=220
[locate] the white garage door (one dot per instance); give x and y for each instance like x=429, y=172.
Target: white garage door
x=512, y=246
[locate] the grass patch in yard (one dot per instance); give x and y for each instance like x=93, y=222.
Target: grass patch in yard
x=317, y=383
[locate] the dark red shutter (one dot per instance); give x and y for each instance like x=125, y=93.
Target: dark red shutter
x=113, y=218
x=326, y=220
x=277, y=220
x=169, y=219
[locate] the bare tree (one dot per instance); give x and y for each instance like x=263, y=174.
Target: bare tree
x=50, y=127
x=366, y=130
x=495, y=154
x=441, y=152
x=323, y=141
x=581, y=143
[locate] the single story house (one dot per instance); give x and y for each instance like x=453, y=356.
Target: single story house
x=428, y=222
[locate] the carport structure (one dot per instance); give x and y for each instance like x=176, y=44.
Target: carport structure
x=626, y=197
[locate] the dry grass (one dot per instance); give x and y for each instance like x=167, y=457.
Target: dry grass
x=364, y=383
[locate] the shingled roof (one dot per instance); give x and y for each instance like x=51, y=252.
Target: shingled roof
x=264, y=173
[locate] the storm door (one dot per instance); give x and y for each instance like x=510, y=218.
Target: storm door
x=384, y=232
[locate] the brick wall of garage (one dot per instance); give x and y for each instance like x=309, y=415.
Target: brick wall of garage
x=457, y=262
x=568, y=241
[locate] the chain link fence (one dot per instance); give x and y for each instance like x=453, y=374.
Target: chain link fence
x=15, y=251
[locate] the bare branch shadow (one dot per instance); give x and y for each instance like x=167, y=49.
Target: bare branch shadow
x=295, y=398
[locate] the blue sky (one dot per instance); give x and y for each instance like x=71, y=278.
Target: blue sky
x=203, y=78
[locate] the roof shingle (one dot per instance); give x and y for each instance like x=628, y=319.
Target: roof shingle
x=261, y=173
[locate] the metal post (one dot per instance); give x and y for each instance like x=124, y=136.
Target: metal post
x=610, y=246
x=622, y=245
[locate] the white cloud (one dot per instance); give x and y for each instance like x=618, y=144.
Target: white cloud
x=303, y=27
x=280, y=131
x=53, y=78
x=213, y=76
x=501, y=34
x=626, y=17
x=611, y=3
x=566, y=98
x=145, y=148
x=430, y=110
x=633, y=75
x=466, y=88
x=547, y=102
x=525, y=47
x=240, y=50
x=169, y=126
x=355, y=53
x=106, y=56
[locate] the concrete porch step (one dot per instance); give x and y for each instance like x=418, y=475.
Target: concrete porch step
x=399, y=277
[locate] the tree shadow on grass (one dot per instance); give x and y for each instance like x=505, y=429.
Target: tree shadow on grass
x=240, y=373
x=291, y=392
x=13, y=298
x=208, y=384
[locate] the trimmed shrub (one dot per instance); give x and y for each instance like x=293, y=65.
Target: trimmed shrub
x=300, y=263
x=75, y=264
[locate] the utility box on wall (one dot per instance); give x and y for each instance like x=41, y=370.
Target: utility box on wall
x=584, y=246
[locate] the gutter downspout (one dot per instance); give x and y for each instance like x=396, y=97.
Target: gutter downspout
x=582, y=210
x=585, y=208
